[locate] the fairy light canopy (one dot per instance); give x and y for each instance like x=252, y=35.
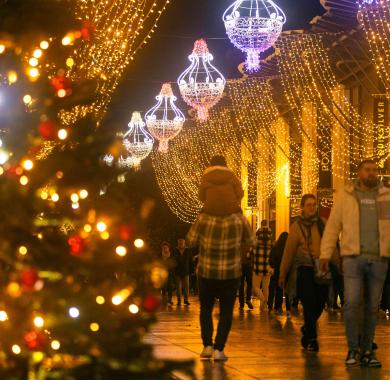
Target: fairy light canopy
x=119, y=29
x=374, y=17
x=201, y=84
x=165, y=120
x=253, y=26
x=137, y=141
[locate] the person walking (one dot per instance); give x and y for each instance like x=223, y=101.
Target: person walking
x=169, y=262
x=183, y=258
x=361, y=216
x=220, y=190
x=221, y=241
x=261, y=266
x=275, y=298
x=303, y=247
x=246, y=279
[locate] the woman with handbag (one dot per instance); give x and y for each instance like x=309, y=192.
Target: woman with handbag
x=303, y=249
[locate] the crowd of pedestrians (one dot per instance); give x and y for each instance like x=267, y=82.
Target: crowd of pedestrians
x=337, y=263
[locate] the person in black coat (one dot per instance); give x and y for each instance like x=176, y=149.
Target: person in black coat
x=169, y=262
x=275, y=300
x=246, y=277
x=183, y=259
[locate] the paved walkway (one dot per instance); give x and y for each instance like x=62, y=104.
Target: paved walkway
x=265, y=346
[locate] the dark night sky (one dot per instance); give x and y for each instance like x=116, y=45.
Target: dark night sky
x=165, y=57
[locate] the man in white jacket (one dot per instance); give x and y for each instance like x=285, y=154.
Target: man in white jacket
x=360, y=218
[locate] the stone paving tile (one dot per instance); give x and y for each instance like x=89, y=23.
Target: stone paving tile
x=264, y=346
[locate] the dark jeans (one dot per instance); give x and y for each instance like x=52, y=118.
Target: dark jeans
x=225, y=291
x=167, y=289
x=385, y=303
x=313, y=298
x=337, y=287
x=182, y=287
x=275, y=298
x=246, y=277
x=194, y=283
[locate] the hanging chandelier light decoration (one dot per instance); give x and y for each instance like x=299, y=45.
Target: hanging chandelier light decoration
x=165, y=120
x=253, y=26
x=201, y=84
x=137, y=141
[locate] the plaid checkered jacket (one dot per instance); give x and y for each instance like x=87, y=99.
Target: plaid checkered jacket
x=262, y=252
x=220, y=240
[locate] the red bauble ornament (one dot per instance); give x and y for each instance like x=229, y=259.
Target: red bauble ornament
x=151, y=303
x=28, y=279
x=77, y=245
x=87, y=30
x=12, y=171
x=126, y=232
x=48, y=130
x=61, y=82
x=35, y=340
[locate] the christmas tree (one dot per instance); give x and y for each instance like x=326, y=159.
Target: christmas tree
x=79, y=285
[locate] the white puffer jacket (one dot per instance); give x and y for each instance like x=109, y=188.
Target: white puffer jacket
x=344, y=222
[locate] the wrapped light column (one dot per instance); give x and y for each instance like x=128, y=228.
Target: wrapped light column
x=137, y=141
x=253, y=26
x=201, y=85
x=165, y=120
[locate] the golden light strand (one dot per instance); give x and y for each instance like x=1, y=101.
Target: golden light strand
x=307, y=77
x=121, y=28
x=375, y=19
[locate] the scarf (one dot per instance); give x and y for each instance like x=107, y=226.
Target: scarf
x=307, y=224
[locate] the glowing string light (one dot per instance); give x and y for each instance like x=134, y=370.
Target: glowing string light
x=118, y=30
x=374, y=16
x=308, y=78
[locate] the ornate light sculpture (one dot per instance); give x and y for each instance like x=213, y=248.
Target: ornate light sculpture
x=165, y=120
x=201, y=85
x=253, y=26
x=137, y=141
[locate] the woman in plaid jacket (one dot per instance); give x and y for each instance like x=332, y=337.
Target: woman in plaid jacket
x=261, y=266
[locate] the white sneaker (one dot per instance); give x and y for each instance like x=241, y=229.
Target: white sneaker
x=220, y=356
x=207, y=353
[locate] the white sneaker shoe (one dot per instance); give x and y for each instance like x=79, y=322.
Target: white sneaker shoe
x=220, y=356
x=207, y=353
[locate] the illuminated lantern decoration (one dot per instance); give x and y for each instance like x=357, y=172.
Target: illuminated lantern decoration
x=201, y=85
x=137, y=141
x=253, y=26
x=165, y=120
x=127, y=162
